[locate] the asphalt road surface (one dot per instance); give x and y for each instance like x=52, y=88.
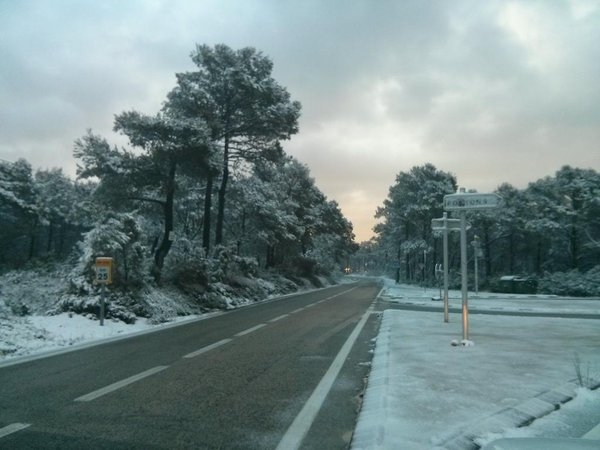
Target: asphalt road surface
x=281, y=374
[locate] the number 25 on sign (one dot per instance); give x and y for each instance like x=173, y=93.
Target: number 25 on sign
x=103, y=270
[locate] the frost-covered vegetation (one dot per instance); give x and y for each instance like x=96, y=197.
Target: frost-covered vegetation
x=548, y=232
x=202, y=210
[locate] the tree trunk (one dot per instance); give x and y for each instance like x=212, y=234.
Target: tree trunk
x=270, y=262
x=165, y=245
x=538, y=256
x=61, y=237
x=50, y=237
x=33, y=239
x=488, y=253
x=207, y=214
x=574, y=244
x=222, y=192
x=511, y=253
x=243, y=233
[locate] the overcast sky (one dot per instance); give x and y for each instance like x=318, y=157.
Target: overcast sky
x=492, y=91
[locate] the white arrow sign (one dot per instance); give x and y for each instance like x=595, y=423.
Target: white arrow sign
x=463, y=201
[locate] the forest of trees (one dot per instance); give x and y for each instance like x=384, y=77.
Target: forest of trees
x=551, y=226
x=205, y=185
x=203, y=179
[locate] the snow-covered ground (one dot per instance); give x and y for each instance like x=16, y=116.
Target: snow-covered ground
x=35, y=335
x=424, y=393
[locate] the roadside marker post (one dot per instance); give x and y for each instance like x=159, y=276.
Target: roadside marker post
x=462, y=202
x=103, y=267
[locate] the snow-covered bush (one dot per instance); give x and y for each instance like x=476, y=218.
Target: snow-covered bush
x=186, y=264
x=575, y=283
x=117, y=306
x=231, y=264
x=117, y=236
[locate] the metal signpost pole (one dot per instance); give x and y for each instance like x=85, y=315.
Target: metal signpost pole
x=463, y=274
x=476, y=254
x=461, y=202
x=103, y=276
x=446, y=313
x=102, y=303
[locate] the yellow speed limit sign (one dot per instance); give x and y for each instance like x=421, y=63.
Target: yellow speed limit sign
x=104, y=270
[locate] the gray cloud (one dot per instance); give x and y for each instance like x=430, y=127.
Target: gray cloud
x=492, y=91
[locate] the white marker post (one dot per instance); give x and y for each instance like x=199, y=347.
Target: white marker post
x=462, y=202
x=103, y=276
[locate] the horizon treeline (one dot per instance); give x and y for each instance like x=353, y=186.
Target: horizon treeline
x=552, y=225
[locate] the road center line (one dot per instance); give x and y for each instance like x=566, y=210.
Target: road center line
x=303, y=421
x=13, y=428
x=119, y=384
x=338, y=294
x=250, y=330
x=298, y=310
x=208, y=348
x=283, y=316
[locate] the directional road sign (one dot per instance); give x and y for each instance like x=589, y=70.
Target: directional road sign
x=450, y=224
x=464, y=201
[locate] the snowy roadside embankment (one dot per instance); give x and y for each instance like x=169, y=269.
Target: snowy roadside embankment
x=424, y=393
x=31, y=301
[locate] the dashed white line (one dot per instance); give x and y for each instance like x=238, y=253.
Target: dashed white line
x=250, y=330
x=119, y=384
x=207, y=348
x=283, y=316
x=13, y=428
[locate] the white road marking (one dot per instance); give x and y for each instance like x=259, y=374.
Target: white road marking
x=13, y=428
x=297, y=310
x=250, y=330
x=279, y=318
x=119, y=384
x=208, y=348
x=303, y=421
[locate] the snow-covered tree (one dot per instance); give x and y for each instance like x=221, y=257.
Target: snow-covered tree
x=413, y=201
x=18, y=210
x=168, y=146
x=247, y=111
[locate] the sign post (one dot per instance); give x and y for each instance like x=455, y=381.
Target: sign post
x=444, y=224
x=103, y=276
x=476, y=252
x=462, y=202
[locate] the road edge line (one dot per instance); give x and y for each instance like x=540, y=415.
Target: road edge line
x=293, y=437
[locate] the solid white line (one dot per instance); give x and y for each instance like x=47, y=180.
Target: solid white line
x=279, y=318
x=119, y=384
x=250, y=330
x=303, y=421
x=13, y=428
x=207, y=348
x=297, y=310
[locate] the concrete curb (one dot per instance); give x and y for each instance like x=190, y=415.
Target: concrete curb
x=518, y=416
